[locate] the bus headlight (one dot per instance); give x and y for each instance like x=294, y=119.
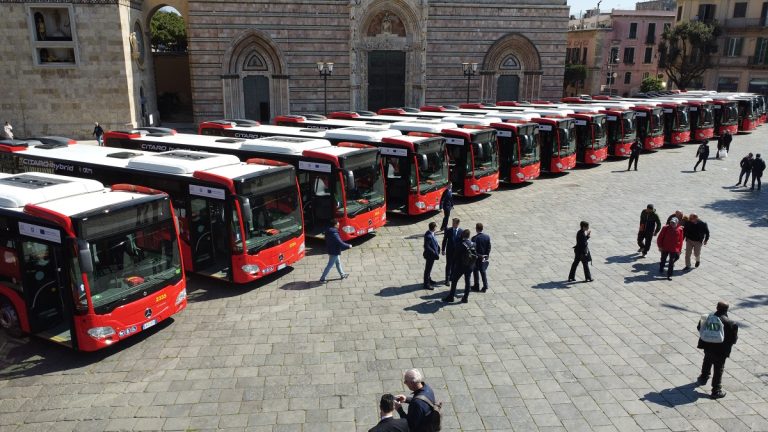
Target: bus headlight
x=559, y=165
x=349, y=229
x=99, y=333
x=593, y=157
x=302, y=247
x=475, y=188
x=420, y=205
x=520, y=176
x=182, y=295
x=250, y=269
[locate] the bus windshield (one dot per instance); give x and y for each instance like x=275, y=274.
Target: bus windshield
x=628, y=126
x=746, y=109
x=435, y=174
x=730, y=114
x=598, y=131
x=705, y=116
x=276, y=217
x=529, y=145
x=657, y=125
x=566, y=136
x=683, y=124
x=368, y=190
x=485, y=154
x=130, y=262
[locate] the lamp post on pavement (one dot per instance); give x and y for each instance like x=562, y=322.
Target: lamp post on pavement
x=470, y=69
x=325, y=69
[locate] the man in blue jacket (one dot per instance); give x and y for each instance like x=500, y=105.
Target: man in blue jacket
x=431, y=254
x=446, y=203
x=483, y=248
x=335, y=246
x=451, y=239
x=418, y=409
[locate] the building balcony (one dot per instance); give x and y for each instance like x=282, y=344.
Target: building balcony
x=745, y=23
x=732, y=61
x=758, y=62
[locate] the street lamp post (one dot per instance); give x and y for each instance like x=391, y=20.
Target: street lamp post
x=470, y=69
x=325, y=69
x=612, y=63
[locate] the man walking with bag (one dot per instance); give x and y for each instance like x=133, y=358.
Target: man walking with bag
x=650, y=225
x=431, y=254
x=717, y=335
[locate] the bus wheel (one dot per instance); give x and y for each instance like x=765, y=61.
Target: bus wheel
x=9, y=319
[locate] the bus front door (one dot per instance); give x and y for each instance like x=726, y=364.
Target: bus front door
x=42, y=270
x=317, y=194
x=208, y=236
x=457, y=165
x=397, y=182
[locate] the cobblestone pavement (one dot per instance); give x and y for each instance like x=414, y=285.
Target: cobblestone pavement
x=533, y=353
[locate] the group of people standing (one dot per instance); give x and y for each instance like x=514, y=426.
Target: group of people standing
x=754, y=165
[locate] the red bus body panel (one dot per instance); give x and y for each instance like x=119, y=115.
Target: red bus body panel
x=482, y=185
x=269, y=261
x=364, y=223
x=731, y=129
x=129, y=318
x=526, y=173
x=562, y=164
x=705, y=134
x=595, y=156
x=19, y=304
x=681, y=137
x=431, y=201
x=652, y=142
x=747, y=125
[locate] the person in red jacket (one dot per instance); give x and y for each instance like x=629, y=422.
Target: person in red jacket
x=670, y=242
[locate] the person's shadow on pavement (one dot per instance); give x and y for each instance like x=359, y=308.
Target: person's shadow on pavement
x=433, y=303
x=681, y=395
x=644, y=272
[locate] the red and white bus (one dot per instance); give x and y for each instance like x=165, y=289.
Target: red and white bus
x=650, y=126
x=702, y=119
x=677, y=123
x=558, y=143
x=591, y=145
x=238, y=222
x=85, y=266
x=519, y=151
x=415, y=158
x=343, y=183
x=621, y=131
x=748, y=115
x=726, y=115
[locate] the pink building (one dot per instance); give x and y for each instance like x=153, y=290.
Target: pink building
x=618, y=49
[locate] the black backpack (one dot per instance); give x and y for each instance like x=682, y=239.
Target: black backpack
x=434, y=418
x=470, y=255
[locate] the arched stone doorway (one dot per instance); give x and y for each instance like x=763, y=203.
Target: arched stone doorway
x=511, y=70
x=254, y=79
x=387, y=55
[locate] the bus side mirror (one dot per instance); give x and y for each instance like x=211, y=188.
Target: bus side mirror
x=423, y=162
x=84, y=254
x=245, y=203
x=349, y=177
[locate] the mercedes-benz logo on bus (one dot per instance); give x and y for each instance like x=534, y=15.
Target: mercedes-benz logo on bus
x=148, y=313
x=280, y=257
x=370, y=221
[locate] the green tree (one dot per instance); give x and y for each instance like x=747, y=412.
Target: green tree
x=685, y=51
x=168, y=32
x=652, y=84
x=575, y=74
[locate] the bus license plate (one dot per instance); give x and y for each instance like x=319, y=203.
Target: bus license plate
x=148, y=324
x=370, y=230
x=281, y=266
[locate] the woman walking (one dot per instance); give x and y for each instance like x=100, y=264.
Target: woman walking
x=581, y=253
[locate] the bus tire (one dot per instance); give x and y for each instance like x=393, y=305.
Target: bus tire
x=9, y=319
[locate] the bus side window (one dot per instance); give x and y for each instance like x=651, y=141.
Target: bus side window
x=9, y=263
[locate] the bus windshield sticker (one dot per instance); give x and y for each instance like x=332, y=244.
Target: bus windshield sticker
x=581, y=122
x=207, y=192
x=454, y=141
x=613, y=118
x=38, y=232
x=693, y=109
x=545, y=127
x=667, y=110
x=314, y=166
x=390, y=151
x=640, y=114
x=504, y=133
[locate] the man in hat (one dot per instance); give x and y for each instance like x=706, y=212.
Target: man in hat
x=650, y=225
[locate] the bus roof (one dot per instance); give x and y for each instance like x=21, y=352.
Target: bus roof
x=470, y=120
x=284, y=144
x=523, y=116
x=62, y=194
x=361, y=133
x=416, y=125
x=335, y=122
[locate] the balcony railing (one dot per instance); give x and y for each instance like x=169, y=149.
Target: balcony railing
x=739, y=61
x=745, y=23
x=758, y=62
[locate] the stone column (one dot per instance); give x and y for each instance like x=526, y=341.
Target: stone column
x=232, y=90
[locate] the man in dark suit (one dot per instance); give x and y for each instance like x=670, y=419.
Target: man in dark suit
x=451, y=238
x=461, y=267
x=388, y=423
x=715, y=354
x=446, y=204
x=483, y=248
x=431, y=254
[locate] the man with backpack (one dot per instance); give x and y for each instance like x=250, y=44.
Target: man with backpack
x=464, y=260
x=717, y=335
x=703, y=154
x=423, y=411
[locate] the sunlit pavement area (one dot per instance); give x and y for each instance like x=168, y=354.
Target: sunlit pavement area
x=533, y=353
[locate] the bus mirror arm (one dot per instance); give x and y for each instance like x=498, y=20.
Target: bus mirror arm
x=84, y=254
x=349, y=177
x=247, y=212
x=478, y=150
x=423, y=163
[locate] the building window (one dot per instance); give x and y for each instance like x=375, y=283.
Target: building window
x=633, y=31
x=726, y=84
x=667, y=26
x=614, y=56
x=646, y=75
x=648, y=57
x=706, y=13
x=584, y=55
x=733, y=46
x=679, y=12
x=52, y=31
x=627, y=77
x=761, y=52
x=650, y=37
x=629, y=55
x=764, y=15
x=739, y=10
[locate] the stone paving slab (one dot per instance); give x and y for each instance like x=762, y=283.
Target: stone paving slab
x=533, y=353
